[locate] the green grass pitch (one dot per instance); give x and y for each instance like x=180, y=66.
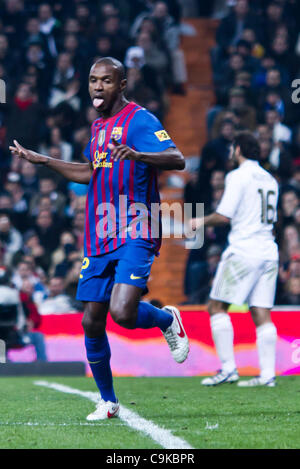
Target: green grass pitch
x=220, y=417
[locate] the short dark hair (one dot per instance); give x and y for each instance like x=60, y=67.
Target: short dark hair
x=114, y=63
x=248, y=144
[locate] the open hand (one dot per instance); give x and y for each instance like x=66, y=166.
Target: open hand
x=29, y=155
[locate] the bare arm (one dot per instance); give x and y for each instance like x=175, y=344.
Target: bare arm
x=168, y=159
x=76, y=172
x=214, y=219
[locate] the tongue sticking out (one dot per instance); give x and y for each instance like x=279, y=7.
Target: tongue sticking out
x=97, y=102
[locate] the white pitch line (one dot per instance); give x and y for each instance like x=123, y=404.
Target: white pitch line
x=160, y=435
x=53, y=424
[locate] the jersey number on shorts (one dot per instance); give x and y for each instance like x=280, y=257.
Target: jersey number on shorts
x=267, y=208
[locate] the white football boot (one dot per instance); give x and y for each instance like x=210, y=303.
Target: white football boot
x=176, y=337
x=221, y=377
x=105, y=410
x=258, y=381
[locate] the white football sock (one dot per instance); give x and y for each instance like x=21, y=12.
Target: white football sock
x=266, y=337
x=222, y=332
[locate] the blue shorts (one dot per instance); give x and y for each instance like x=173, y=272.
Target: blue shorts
x=130, y=263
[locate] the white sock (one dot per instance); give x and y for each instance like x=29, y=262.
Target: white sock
x=222, y=332
x=266, y=337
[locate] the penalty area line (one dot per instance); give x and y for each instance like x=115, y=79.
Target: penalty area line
x=162, y=436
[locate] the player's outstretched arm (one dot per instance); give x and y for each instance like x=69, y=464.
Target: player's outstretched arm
x=168, y=159
x=214, y=219
x=76, y=172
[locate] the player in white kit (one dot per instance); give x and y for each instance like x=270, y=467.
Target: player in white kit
x=248, y=269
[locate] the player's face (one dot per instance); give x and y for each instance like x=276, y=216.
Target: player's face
x=105, y=86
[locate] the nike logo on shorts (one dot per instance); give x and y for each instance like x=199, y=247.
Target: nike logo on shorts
x=133, y=277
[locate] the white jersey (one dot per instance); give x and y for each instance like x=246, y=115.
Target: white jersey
x=250, y=201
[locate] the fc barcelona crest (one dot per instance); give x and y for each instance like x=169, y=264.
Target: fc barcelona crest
x=101, y=138
x=117, y=133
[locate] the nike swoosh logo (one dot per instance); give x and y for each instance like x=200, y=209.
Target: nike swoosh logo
x=181, y=333
x=133, y=277
x=109, y=415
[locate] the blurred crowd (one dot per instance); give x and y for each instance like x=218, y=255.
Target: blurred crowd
x=255, y=61
x=46, y=51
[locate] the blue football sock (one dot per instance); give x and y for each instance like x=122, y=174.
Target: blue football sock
x=98, y=355
x=149, y=316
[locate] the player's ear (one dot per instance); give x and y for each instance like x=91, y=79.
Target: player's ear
x=123, y=84
x=237, y=151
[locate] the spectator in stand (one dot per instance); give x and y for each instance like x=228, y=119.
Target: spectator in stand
x=154, y=57
x=280, y=132
x=65, y=84
x=225, y=79
x=59, y=255
x=112, y=28
x=56, y=139
x=49, y=26
x=217, y=150
x=139, y=92
x=9, y=296
x=231, y=27
x=286, y=60
x=78, y=224
x=24, y=118
x=33, y=247
x=291, y=295
x=244, y=48
x=10, y=237
x=7, y=60
x=170, y=33
x=29, y=178
x=48, y=187
x=295, y=146
x=290, y=242
x=25, y=270
x=34, y=35
x=58, y=302
x=289, y=203
x=46, y=230
x=32, y=321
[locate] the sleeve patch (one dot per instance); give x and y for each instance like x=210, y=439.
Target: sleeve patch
x=162, y=135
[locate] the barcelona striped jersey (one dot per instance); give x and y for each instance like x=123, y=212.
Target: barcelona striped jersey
x=123, y=199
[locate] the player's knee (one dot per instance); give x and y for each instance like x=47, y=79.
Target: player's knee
x=92, y=327
x=214, y=307
x=122, y=316
x=87, y=325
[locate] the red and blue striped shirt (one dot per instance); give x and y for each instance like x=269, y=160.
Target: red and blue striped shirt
x=123, y=198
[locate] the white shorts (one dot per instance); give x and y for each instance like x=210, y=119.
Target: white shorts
x=240, y=280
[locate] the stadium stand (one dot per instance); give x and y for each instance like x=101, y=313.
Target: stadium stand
x=203, y=77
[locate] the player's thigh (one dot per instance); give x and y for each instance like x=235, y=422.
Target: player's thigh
x=234, y=279
x=263, y=293
x=132, y=273
x=94, y=318
x=96, y=278
x=124, y=303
